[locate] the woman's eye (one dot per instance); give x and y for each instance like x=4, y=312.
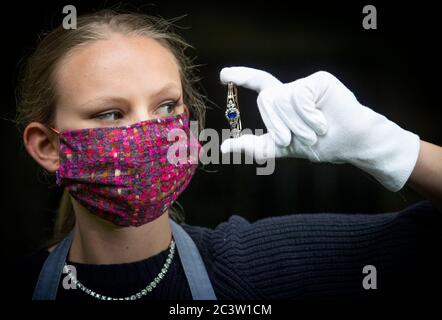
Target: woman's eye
x=167, y=109
x=109, y=116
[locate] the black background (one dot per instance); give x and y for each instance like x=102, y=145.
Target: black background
x=393, y=70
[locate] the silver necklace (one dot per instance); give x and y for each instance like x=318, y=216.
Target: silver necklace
x=137, y=295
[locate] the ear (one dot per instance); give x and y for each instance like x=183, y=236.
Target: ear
x=42, y=144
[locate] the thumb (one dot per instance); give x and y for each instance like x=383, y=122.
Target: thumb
x=249, y=78
x=260, y=147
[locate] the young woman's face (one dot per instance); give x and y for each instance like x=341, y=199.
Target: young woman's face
x=117, y=82
x=108, y=83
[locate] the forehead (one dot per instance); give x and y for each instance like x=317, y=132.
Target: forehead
x=120, y=64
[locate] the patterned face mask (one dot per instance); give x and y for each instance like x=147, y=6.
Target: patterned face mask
x=123, y=174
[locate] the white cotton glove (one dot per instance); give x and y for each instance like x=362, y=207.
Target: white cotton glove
x=319, y=119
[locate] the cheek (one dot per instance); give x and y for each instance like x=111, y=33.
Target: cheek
x=57, y=119
x=182, y=108
x=62, y=119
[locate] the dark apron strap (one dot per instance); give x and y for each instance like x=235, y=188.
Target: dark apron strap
x=194, y=269
x=50, y=274
x=193, y=264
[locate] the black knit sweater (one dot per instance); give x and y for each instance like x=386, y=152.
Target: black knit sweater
x=300, y=256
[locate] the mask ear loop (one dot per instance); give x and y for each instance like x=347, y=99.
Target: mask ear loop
x=55, y=130
x=186, y=111
x=57, y=174
x=193, y=135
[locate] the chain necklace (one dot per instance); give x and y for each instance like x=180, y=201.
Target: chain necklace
x=137, y=295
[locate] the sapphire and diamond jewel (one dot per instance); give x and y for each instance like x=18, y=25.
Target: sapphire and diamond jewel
x=232, y=111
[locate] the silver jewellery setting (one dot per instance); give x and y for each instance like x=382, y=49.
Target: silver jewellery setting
x=232, y=111
x=137, y=295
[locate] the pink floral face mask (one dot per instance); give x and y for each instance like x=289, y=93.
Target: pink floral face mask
x=123, y=174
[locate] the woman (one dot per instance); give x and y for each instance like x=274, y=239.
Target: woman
x=99, y=100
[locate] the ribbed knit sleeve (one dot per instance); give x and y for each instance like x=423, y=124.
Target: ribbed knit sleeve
x=323, y=255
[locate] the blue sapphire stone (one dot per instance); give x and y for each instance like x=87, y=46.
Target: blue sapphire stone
x=232, y=114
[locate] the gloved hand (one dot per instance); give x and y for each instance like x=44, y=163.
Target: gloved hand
x=319, y=119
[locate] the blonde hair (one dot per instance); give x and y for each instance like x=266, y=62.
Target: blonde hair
x=37, y=96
